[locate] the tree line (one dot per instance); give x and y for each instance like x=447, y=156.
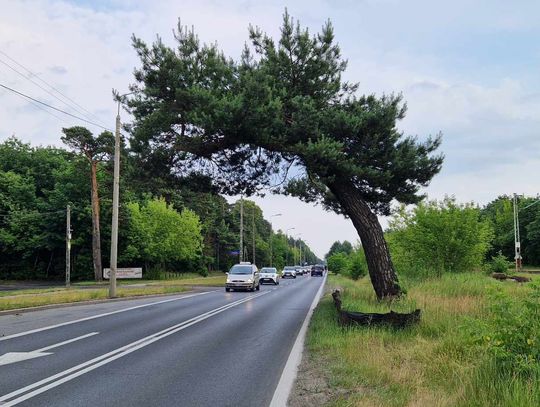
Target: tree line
x=167, y=222
x=437, y=237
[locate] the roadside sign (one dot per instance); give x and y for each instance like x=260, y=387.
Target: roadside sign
x=128, y=272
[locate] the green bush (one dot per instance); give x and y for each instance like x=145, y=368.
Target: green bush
x=511, y=336
x=338, y=263
x=438, y=237
x=499, y=264
x=357, y=264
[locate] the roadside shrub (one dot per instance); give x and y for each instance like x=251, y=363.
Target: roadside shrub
x=438, y=237
x=357, y=264
x=511, y=336
x=499, y=264
x=338, y=263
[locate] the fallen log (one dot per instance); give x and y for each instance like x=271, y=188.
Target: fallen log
x=499, y=276
x=395, y=319
x=520, y=279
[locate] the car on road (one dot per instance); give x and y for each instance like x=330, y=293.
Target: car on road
x=289, y=272
x=269, y=275
x=299, y=271
x=317, y=270
x=243, y=276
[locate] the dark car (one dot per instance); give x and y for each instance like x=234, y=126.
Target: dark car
x=317, y=270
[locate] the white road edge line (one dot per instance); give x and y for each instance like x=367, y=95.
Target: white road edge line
x=286, y=381
x=5, y=338
x=90, y=365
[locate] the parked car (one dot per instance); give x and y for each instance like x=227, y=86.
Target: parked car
x=243, y=276
x=289, y=272
x=269, y=275
x=317, y=270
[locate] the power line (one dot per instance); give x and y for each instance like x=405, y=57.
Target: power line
x=52, y=107
x=88, y=113
x=41, y=87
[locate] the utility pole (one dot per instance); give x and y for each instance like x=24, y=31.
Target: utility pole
x=68, y=246
x=115, y=203
x=517, y=239
x=253, y=222
x=241, y=228
x=271, y=238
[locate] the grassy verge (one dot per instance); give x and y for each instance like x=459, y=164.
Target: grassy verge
x=76, y=295
x=436, y=363
x=89, y=290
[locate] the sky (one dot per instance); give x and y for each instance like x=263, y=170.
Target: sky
x=467, y=69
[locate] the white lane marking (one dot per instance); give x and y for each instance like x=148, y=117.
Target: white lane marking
x=90, y=365
x=14, y=357
x=5, y=338
x=286, y=381
x=56, y=345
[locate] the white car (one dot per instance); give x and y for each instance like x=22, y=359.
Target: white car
x=269, y=275
x=289, y=271
x=243, y=276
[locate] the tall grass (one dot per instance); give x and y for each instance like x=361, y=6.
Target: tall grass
x=434, y=363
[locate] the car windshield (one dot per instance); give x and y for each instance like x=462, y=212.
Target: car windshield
x=268, y=270
x=238, y=269
x=289, y=268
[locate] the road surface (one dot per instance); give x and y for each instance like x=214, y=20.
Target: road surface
x=199, y=349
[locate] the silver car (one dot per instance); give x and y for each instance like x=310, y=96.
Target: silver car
x=243, y=276
x=289, y=271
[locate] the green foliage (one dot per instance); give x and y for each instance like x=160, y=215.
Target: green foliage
x=338, y=263
x=338, y=247
x=499, y=264
x=357, y=266
x=159, y=235
x=438, y=237
x=500, y=213
x=511, y=336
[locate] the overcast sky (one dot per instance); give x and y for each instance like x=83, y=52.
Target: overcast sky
x=468, y=69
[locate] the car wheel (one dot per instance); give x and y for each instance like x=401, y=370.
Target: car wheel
x=294, y=277
x=258, y=287
x=227, y=289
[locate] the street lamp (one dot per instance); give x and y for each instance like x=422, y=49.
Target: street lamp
x=115, y=203
x=287, y=238
x=271, y=239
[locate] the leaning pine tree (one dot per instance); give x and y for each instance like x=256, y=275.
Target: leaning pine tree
x=282, y=110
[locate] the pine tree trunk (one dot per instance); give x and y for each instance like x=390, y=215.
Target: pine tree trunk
x=96, y=236
x=381, y=270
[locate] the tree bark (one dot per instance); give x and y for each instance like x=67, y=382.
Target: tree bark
x=381, y=270
x=96, y=236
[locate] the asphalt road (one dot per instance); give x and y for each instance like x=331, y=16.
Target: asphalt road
x=202, y=349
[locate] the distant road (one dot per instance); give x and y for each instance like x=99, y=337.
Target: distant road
x=199, y=349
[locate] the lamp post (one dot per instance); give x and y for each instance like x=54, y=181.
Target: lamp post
x=271, y=238
x=287, y=238
x=115, y=203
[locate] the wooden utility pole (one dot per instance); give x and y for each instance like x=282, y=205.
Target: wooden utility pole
x=241, y=229
x=68, y=246
x=253, y=221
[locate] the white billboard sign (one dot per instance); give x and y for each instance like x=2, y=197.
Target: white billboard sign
x=128, y=272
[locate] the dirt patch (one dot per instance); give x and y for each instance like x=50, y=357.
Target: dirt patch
x=311, y=386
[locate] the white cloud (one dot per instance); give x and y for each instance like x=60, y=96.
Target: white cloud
x=487, y=113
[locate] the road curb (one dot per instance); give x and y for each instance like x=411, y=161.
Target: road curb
x=90, y=302
x=290, y=371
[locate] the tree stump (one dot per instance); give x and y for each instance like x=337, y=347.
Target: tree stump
x=394, y=319
x=499, y=276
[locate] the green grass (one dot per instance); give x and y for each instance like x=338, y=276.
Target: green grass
x=434, y=363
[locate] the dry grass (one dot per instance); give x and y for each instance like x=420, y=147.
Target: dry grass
x=426, y=365
x=64, y=295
